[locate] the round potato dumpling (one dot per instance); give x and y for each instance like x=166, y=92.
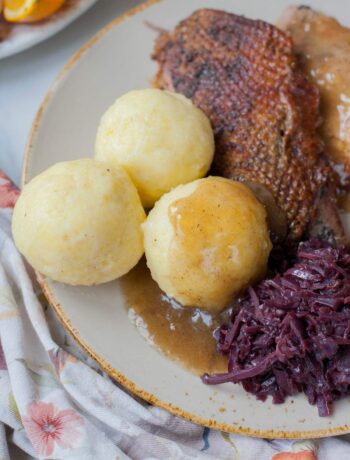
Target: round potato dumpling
x=79, y=222
x=206, y=241
x=159, y=137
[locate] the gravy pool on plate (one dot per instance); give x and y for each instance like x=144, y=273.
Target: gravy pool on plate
x=183, y=334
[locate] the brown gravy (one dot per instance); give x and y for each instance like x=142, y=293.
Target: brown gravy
x=183, y=334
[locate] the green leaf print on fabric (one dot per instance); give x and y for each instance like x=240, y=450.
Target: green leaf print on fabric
x=8, y=306
x=13, y=407
x=44, y=380
x=228, y=439
x=306, y=444
x=42, y=375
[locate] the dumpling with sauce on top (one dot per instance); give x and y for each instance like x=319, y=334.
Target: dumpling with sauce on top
x=206, y=241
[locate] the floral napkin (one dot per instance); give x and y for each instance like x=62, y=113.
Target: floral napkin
x=56, y=403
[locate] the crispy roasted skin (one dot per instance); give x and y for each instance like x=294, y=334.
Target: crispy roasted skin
x=244, y=75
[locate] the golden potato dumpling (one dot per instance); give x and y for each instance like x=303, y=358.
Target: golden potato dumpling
x=79, y=222
x=159, y=137
x=206, y=241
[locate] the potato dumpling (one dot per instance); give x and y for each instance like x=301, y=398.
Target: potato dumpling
x=79, y=222
x=159, y=137
x=206, y=241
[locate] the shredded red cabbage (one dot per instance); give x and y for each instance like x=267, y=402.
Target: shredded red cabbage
x=292, y=332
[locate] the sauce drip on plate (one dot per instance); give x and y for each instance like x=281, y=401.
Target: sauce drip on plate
x=183, y=334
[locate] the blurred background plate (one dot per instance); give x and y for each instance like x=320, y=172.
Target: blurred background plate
x=113, y=62
x=18, y=37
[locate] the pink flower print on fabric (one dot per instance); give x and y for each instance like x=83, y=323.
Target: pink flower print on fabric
x=47, y=426
x=8, y=192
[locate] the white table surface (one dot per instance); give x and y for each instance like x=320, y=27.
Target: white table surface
x=26, y=77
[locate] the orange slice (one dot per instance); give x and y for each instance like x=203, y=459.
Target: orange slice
x=30, y=10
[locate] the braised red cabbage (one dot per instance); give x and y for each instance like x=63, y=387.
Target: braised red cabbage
x=292, y=332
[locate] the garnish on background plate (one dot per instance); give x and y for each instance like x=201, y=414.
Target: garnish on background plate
x=29, y=10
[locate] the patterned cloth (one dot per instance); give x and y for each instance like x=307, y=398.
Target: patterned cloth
x=56, y=403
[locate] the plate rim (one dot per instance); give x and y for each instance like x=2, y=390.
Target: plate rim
x=65, y=321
